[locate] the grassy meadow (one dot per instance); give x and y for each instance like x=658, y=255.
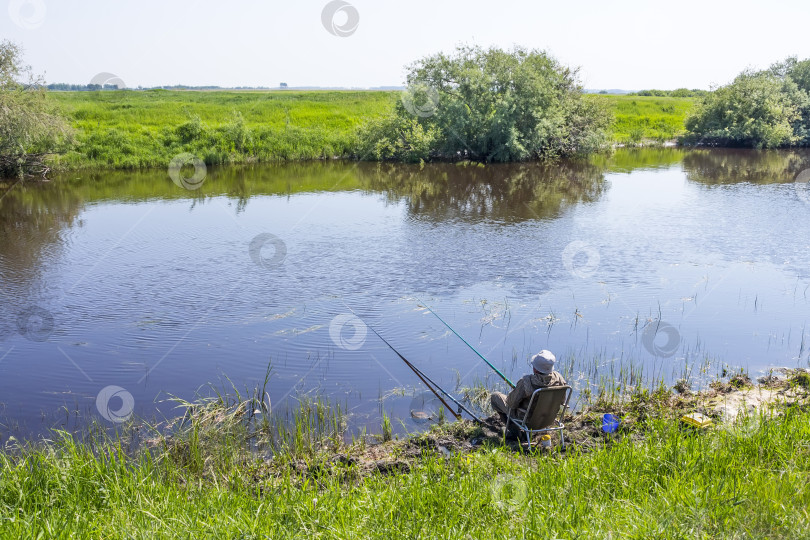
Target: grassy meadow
x=134, y=129
x=641, y=119
x=141, y=129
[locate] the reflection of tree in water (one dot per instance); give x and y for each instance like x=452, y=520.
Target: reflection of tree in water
x=509, y=192
x=32, y=220
x=512, y=192
x=720, y=166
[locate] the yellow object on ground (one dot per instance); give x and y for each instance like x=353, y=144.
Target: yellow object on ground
x=700, y=421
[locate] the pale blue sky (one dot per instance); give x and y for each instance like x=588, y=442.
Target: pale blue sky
x=631, y=44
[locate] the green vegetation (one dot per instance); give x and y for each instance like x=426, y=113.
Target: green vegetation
x=140, y=129
x=760, y=109
x=678, y=93
x=488, y=105
x=137, y=129
x=226, y=469
x=648, y=120
x=29, y=129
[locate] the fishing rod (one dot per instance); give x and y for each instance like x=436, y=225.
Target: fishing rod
x=504, y=377
x=424, y=378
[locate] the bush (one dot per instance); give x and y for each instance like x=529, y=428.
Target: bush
x=191, y=130
x=765, y=109
x=488, y=105
x=29, y=129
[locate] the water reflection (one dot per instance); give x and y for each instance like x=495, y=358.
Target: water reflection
x=470, y=192
x=143, y=277
x=740, y=165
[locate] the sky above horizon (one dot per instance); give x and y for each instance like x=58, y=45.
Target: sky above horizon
x=626, y=44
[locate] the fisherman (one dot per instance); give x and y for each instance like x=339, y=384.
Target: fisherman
x=543, y=376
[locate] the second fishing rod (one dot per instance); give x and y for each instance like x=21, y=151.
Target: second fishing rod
x=504, y=377
x=432, y=386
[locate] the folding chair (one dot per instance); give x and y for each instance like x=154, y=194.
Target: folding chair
x=544, y=413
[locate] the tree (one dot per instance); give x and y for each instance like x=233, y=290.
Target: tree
x=760, y=109
x=30, y=129
x=489, y=105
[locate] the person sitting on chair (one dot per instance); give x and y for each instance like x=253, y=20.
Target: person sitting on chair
x=543, y=376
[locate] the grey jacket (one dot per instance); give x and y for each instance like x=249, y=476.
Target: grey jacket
x=518, y=398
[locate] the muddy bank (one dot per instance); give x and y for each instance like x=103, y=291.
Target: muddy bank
x=737, y=402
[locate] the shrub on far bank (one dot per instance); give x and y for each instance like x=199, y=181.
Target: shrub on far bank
x=759, y=109
x=29, y=127
x=488, y=105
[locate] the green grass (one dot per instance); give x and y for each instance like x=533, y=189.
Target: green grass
x=130, y=129
x=672, y=484
x=651, y=119
x=140, y=129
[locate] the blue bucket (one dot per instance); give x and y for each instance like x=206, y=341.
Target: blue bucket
x=610, y=423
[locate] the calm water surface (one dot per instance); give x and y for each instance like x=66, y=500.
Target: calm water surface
x=670, y=262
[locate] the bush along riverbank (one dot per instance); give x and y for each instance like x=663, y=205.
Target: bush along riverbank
x=225, y=470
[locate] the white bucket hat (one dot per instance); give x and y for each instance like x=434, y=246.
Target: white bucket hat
x=544, y=362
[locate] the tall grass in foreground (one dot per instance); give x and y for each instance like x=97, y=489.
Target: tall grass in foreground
x=737, y=483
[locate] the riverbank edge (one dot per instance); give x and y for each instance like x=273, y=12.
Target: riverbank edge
x=203, y=477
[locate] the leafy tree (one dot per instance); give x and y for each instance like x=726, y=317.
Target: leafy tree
x=758, y=109
x=489, y=105
x=761, y=109
x=29, y=128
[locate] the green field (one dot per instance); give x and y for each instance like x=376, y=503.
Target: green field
x=130, y=129
x=648, y=119
x=139, y=129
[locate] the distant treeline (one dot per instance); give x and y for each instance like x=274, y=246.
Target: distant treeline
x=680, y=92
x=64, y=87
